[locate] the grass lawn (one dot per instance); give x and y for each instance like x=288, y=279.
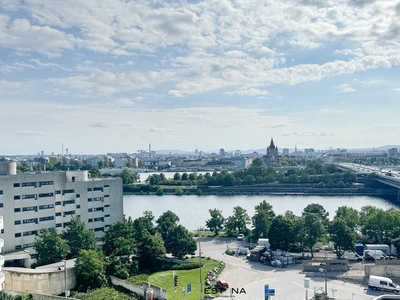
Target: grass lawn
x=106, y=293
x=164, y=279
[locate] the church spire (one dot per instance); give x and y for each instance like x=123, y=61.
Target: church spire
x=272, y=145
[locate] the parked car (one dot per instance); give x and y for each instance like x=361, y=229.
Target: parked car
x=222, y=284
x=240, y=237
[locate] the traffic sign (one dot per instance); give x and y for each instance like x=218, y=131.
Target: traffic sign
x=189, y=288
x=270, y=292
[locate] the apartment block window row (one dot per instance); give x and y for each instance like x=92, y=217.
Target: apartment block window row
x=68, y=192
x=41, y=183
x=95, y=199
x=42, y=219
x=28, y=245
x=29, y=184
x=68, y=202
x=96, y=189
x=67, y=213
x=101, y=219
x=48, y=206
x=30, y=208
x=66, y=224
x=32, y=232
x=43, y=195
x=29, y=196
x=98, y=209
x=99, y=229
x=32, y=220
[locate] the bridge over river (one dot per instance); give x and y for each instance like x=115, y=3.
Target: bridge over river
x=386, y=177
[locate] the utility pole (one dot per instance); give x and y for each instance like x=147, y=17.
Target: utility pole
x=201, y=285
x=65, y=278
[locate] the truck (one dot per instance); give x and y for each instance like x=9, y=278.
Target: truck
x=383, y=247
x=359, y=249
x=383, y=283
x=372, y=255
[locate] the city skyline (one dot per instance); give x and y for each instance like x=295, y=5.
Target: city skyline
x=116, y=76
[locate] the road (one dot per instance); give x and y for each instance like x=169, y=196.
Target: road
x=250, y=277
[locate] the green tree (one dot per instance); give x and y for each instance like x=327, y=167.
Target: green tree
x=177, y=176
x=151, y=252
x=185, y=176
x=166, y=222
x=78, y=237
x=262, y=219
x=349, y=215
x=122, y=229
x=160, y=192
x=258, y=162
x=95, y=172
x=342, y=236
x=281, y=233
x=249, y=179
x=311, y=231
x=216, y=222
x=178, y=192
x=319, y=210
x=90, y=270
x=180, y=242
x=237, y=223
x=50, y=247
x=128, y=176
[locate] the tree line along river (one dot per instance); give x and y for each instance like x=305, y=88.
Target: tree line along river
x=193, y=211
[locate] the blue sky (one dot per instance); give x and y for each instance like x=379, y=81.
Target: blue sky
x=114, y=76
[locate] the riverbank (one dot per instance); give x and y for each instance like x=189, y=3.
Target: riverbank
x=262, y=189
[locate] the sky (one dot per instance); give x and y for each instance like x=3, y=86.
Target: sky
x=118, y=75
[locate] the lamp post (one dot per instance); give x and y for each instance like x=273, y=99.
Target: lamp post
x=326, y=279
x=65, y=277
x=201, y=285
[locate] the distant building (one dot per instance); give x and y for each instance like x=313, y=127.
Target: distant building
x=392, y=152
x=309, y=151
x=241, y=162
x=222, y=152
x=285, y=152
x=272, y=157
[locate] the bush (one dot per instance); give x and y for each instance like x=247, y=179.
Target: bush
x=184, y=266
x=178, y=192
x=159, y=192
x=230, y=252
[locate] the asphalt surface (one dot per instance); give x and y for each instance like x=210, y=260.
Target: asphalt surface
x=248, y=278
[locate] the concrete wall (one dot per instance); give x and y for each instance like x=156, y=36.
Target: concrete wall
x=159, y=293
x=382, y=270
x=40, y=296
x=50, y=282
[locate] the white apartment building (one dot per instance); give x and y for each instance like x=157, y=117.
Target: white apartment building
x=33, y=201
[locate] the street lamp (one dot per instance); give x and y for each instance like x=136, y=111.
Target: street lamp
x=201, y=285
x=326, y=281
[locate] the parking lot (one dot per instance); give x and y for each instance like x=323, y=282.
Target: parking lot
x=248, y=278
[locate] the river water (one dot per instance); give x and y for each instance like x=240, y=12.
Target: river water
x=193, y=210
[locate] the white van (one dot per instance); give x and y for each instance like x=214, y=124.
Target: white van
x=352, y=256
x=383, y=283
x=373, y=255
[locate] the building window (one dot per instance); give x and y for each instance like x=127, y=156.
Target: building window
x=68, y=192
x=66, y=224
x=42, y=195
x=17, y=209
x=18, y=234
x=29, y=208
x=45, y=183
x=58, y=225
x=107, y=216
x=30, y=196
x=89, y=189
x=107, y=205
x=68, y=202
x=32, y=232
x=42, y=219
x=18, y=247
x=107, y=226
x=32, y=220
x=17, y=197
x=78, y=206
x=58, y=214
x=73, y=178
x=1, y=192
x=17, y=222
x=78, y=195
x=17, y=184
x=67, y=213
x=29, y=245
x=58, y=192
x=1, y=205
x=98, y=189
x=48, y=206
x=99, y=229
x=90, y=210
x=98, y=209
x=2, y=231
x=90, y=220
x=107, y=185
x=89, y=199
x=28, y=184
x=58, y=202
x=106, y=196
x=98, y=199
x=98, y=219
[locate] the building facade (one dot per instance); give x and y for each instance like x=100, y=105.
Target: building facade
x=272, y=157
x=33, y=201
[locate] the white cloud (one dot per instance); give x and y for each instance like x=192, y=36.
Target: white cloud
x=345, y=88
x=332, y=111
x=249, y=92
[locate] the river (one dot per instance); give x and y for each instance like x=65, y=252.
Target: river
x=193, y=210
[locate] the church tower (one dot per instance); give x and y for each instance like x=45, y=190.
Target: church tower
x=272, y=157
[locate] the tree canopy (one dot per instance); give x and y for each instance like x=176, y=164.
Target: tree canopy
x=50, y=247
